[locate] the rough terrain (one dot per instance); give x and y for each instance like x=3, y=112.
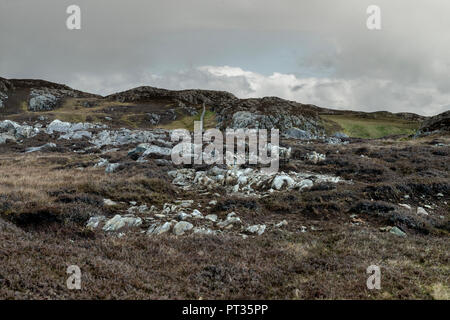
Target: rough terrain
x=88, y=181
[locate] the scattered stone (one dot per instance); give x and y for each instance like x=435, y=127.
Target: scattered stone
x=183, y=216
x=93, y=222
x=397, y=232
x=111, y=167
x=184, y=203
x=258, y=229
x=295, y=133
x=282, y=181
x=422, y=211
x=211, y=217
x=340, y=135
x=57, y=126
x=228, y=222
x=10, y=130
x=281, y=224
x=154, y=118
x=142, y=208
x=76, y=135
x=118, y=222
x=204, y=231
x=440, y=195
x=156, y=229
x=43, y=147
x=101, y=163
x=181, y=227
x=405, y=206
x=315, y=157
x=197, y=214
x=109, y=202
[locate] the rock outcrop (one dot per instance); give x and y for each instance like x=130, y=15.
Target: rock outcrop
x=438, y=123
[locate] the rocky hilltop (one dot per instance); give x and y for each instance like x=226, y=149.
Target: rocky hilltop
x=439, y=123
x=149, y=107
x=39, y=95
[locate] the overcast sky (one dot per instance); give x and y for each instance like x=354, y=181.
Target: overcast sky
x=315, y=51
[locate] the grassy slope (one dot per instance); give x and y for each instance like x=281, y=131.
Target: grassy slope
x=187, y=122
x=356, y=126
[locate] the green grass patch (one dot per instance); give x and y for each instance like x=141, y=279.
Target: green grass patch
x=187, y=122
x=358, y=127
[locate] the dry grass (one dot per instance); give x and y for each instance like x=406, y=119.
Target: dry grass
x=45, y=202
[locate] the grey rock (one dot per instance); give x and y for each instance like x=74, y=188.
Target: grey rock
x=438, y=123
x=43, y=147
x=183, y=215
x=57, y=126
x=157, y=151
x=258, y=229
x=76, y=135
x=93, y=222
x=4, y=137
x=181, y=227
x=197, y=214
x=13, y=131
x=154, y=118
x=118, y=222
x=231, y=219
x=281, y=224
x=211, y=217
x=101, y=162
x=3, y=98
x=406, y=206
x=184, y=203
x=40, y=101
x=397, y=232
x=315, y=157
x=296, y=133
x=126, y=136
x=282, y=181
x=156, y=229
x=109, y=202
x=204, y=231
x=422, y=211
x=111, y=167
x=340, y=135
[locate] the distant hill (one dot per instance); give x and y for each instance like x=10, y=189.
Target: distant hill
x=149, y=107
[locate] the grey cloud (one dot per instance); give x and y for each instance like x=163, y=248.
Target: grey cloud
x=404, y=66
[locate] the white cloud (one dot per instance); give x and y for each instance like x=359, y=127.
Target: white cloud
x=363, y=94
